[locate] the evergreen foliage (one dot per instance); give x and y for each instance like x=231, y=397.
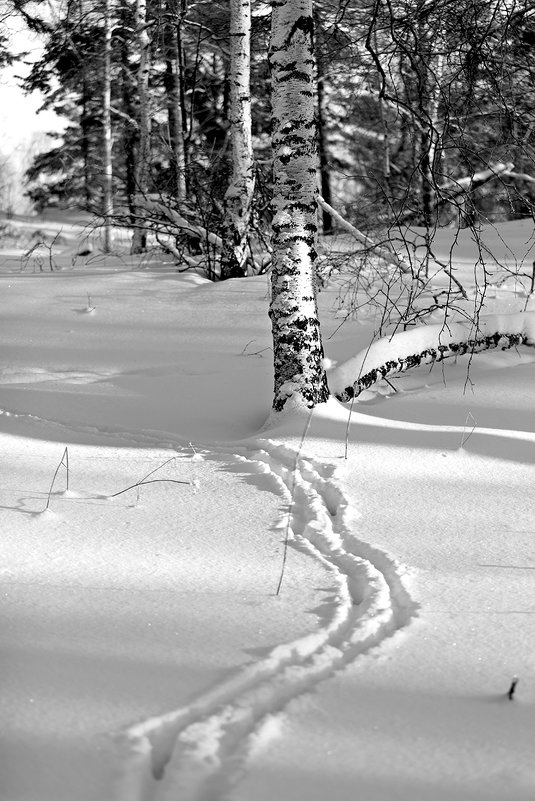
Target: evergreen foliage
x=414, y=98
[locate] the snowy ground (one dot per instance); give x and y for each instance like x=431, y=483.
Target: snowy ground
x=145, y=653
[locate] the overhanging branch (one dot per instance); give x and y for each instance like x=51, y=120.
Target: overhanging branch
x=385, y=253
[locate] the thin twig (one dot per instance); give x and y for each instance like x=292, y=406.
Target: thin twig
x=452, y=278
x=151, y=472
x=143, y=480
x=65, y=462
x=465, y=440
x=152, y=481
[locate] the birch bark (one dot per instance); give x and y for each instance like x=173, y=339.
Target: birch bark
x=431, y=137
x=107, y=141
x=239, y=196
x=173, y=88
x=300, y=379
x=139, y=239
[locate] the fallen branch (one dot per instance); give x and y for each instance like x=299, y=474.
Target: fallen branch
x=426, y=345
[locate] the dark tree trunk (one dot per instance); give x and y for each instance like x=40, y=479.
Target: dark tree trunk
x=325, y=174
x=129, y=130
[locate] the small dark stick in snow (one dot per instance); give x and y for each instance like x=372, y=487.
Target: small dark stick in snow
x=512, y=688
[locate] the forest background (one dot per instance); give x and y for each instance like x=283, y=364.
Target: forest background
x=425, y=114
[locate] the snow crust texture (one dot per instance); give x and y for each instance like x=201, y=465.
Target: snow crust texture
x=197, y=753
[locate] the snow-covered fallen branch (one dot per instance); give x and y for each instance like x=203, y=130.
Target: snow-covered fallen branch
x=427, y=344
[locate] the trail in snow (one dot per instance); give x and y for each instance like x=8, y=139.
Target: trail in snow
x=197, y=753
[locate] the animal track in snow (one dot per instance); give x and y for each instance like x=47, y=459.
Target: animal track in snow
x=198, y=752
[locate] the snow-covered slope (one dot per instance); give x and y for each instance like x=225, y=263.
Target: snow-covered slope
x=328, y=607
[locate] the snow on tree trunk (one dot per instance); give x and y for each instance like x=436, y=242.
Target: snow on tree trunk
x=297, y=346
x=143, y=149
x=426, y=344
x=107, y=177
x=239, y=196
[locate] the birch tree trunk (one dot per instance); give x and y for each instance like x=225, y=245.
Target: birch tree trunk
x=131, y=129
x=430, y=42
x=173, y=88
x=139, y=239
x=430, y=143
x=107, y=141
x=239, y=196
x=300, y=380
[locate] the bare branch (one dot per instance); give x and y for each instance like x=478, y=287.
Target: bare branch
x=387, y=253
x=519, y=176
x=124, y=116
x=178, y=221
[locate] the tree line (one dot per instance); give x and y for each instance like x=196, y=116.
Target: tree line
x=424, y=110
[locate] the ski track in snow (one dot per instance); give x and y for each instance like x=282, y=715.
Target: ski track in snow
x=198, y=753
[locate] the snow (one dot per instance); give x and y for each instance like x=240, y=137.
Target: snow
x=146, y=652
